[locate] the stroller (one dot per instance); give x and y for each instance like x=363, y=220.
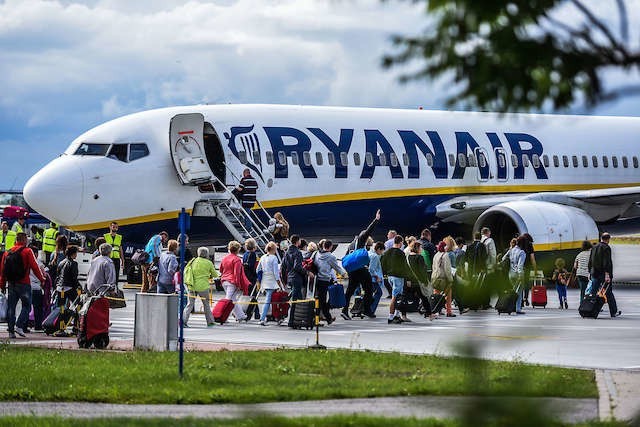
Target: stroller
x=93, y=322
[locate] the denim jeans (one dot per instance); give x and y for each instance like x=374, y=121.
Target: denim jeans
x=611, y=299
x=38, y=309
x=267, y=304
x=583, y=282
x=22, y=293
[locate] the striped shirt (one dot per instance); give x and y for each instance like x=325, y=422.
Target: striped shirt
x=582, y=261
x=248, y=186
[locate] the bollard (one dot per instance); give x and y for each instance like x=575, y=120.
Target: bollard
x=317, y=345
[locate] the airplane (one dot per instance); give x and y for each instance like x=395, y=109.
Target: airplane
x=328, y=169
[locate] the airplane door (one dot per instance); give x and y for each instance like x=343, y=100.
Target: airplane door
x=501, y=164
x=187, y=149
x=482, y=163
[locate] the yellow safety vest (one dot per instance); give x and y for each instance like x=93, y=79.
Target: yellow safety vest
x=8, y=240
x=17, y=227
x=49, y=242
x=115, y=243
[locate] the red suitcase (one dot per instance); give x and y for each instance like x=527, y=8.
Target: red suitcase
x=279, y=305
x=538, y=295
x=93, y=323
x=222, y=310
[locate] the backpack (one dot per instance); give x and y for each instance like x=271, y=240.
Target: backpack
x=140, y=257
x=14, y=268
x=309, y=264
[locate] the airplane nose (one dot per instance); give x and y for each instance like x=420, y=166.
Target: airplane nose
x=56, y=190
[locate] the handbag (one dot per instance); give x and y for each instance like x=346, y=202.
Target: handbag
x=116, y=298
x=440, y=282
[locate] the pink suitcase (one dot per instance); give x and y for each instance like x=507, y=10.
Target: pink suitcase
x=222, y=310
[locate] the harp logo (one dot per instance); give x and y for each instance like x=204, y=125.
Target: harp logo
x=244, y=144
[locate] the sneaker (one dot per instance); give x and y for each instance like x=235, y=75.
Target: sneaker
x=526, y=302
x=184, y=325
x=209, y=325
x=26, y=330
x=20, y=332
x=520, y=312
x=345, y=315
x=464, y=310
x=263, y=323
x=566, y=306
x=12, y=334
x=370, y=315
x=561, y=307
x=405, y=319
x=395, y=320
x=618, y=314
x=330, y=321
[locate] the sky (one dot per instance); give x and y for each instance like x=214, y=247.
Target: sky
x=67, y=66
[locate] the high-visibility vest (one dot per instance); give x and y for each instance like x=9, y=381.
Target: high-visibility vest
x=8, y=240
x=115, y=243
x=37, y=237
x=17, y=228
x=49, y=242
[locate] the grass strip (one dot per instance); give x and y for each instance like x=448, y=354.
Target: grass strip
x=269, y=376
x=334, y=421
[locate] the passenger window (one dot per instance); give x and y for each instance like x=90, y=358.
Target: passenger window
x=405, y=159
x=535, y=161
x=545, y=161
x=574, y=160
x=332, y=158
x=482, y=160
x=525, y=160
x=356, y=159
x=118, y=152
x=585, y=162
x=429, y=160
x=383, y=159
x=605, y=162
x=138, y=151
x=614, y=161
x=462, y=160
x=368, y=159
x=294, y=158
x=394, y=159
x=625, y=162
x=269, y=157
x=306, y=158
x=565, y=161
x=452, y=160
x=282, y=158
x=514, y=160
x=635, y=162
x=594, y=160
x=344, y=159
x=87, y=149
x=319, y=158
x=242, y=155
x=556, y=162
x=256, y=157
x=472, y=160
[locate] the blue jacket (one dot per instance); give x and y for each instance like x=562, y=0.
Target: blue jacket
x=154, y=248
x=375, y=268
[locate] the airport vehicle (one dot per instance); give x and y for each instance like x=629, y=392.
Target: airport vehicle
x=327, y=169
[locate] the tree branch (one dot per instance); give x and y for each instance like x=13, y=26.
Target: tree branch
x=631, y=90
x=600, y=25
x=624, y=20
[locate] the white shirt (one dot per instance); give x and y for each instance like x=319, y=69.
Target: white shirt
x=270, y=271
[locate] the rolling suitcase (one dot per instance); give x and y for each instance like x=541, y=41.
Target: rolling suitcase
x=134, y=275
x=592, y=304
x=93, y=323
x=336, y=296
x=303, y=313
x=538, y=294
x=222, y=310
x=52, y=323
x=357, y=310
x=507, y=302
x=279, y=305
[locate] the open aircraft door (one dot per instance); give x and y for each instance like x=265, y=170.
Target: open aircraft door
x=187, y=149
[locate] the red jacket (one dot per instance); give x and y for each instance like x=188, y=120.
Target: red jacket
x=30, y=263
x=232, y=271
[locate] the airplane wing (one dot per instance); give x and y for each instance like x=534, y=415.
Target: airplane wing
x=602, y=205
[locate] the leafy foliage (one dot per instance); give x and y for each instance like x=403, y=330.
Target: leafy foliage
x=520, y=55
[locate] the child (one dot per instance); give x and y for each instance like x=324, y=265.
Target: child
x=560, y=277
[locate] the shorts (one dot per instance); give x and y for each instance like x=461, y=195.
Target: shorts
x=397, y=285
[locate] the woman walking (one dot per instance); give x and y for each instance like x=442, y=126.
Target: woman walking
x=268, y=267
x=197, y=274
x=581, y=267
x=234, y=281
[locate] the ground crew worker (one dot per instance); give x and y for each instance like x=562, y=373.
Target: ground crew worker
x=117, y=254
x=49, y=241
x=18, y=226
x=7, y=238
x=36, y=234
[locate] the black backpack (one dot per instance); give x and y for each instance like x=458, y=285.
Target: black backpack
x=14, y=268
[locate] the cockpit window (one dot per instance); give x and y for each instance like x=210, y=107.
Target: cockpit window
x=119, y=152
x=138, y=151
x=91, y=149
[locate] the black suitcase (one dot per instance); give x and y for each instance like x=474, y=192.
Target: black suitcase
x=52, y=323
x=507, y=302
x=408, y=304
x=134, y=275
x=357, y=310
x=590, y=306
x=303, y=315
x=437, y=302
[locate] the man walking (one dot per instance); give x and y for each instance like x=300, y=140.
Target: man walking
x=49, y=241
x=102, y=270
x=601, y=268
x=117, y=254
x=247, y=190
x=296, y=274
x=15, y=267
x=7, y=238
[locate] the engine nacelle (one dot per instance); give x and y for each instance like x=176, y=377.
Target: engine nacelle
x=553, y=227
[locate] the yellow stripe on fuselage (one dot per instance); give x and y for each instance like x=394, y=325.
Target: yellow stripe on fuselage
x=128, y=221
x=437, y=191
